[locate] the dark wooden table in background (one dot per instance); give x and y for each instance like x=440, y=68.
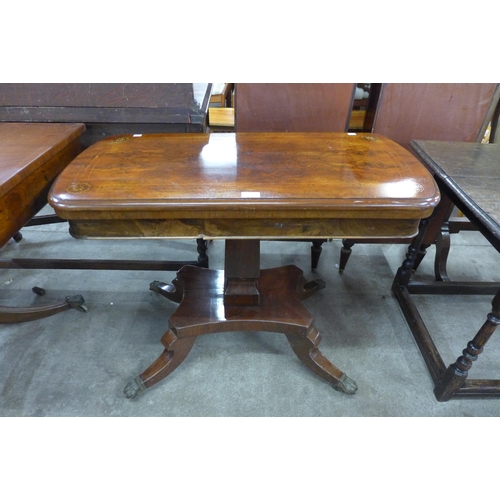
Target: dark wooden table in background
x=243, y=188
x=468, y=175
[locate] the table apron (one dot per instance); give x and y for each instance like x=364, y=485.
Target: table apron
x=244, y=228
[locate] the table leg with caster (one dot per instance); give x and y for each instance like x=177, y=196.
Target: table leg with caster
x=22, y=314
x=174, y=354
x=306, y=349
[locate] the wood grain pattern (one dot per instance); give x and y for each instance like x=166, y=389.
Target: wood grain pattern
x=293, y=107
x=266, y=225
x=295, y=179
x=27, y=146
x=433, y=111
x=243, y=185
x=471, y=172
x=31, y=156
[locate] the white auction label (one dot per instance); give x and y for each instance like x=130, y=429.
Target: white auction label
x=250, y=194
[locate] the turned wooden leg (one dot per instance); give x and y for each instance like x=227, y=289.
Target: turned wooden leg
x=422, y=252
x=174, y=354
x=316, y=252
x=345, y=253
x=308, y=288
x=456, y=374
x=405, y=272
x=306, y=349
x=202, y=252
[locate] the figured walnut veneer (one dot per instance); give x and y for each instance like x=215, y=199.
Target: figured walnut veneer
x=245, y=185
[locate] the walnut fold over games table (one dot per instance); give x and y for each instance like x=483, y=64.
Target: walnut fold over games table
x=243, y=188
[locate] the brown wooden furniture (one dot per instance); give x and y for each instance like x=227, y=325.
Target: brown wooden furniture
x=31, y=156
x=363, y=109
x=221, y=94
x=494, y=129
x=294, y=107
x=457, y=221
x=243, y=187
x=357, y=120
x=468, y=176
x=109, y=108
x=221, y=119
x=434, y=111
x=105, y=109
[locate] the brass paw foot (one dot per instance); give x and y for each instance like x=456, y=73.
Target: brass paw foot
x=134, y=388
x=155, y=286
x=22, y=314
x=311, y=287
x=346, y=385
x=77, y=302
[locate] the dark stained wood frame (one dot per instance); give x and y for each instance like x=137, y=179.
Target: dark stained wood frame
x=109, y=108
x=452, y=381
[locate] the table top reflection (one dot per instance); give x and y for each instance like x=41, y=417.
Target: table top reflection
x=202, y=181
x=320, y=168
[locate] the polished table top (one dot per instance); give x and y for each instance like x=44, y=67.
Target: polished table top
x=471, y=171
x=31, y=156
x=25, y=147
x=218, y=185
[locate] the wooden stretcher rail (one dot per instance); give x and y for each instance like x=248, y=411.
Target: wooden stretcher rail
x=477, y=197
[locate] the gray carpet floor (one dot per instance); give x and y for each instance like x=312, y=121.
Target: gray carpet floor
x=77, y=364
